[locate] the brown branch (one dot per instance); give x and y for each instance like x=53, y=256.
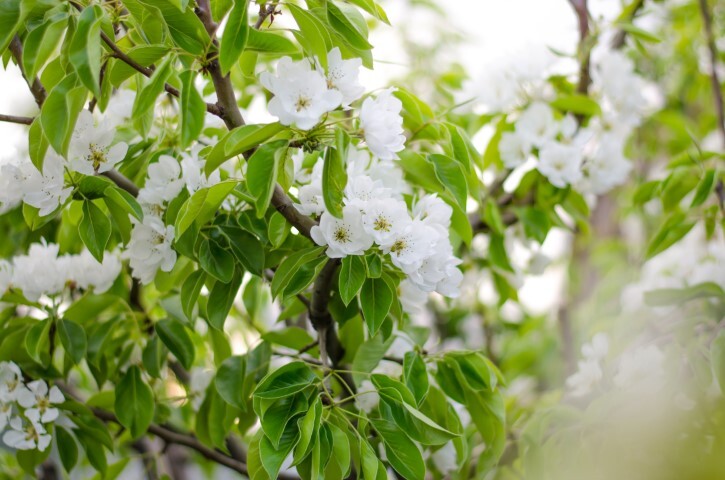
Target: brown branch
x=122, y=182
x=621, y=36
x=319, y=312
x=582, y=13
x=16, y=119
x=36, y=88
x=714, y=80
x=264, y=12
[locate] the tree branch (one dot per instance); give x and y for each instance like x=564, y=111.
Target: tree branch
x=16, y=119
x=264, y=12
x=621, y=36
x=319, y=313
x=36, y=88
x=714, y=80
x=582, y=13
x=122, y=182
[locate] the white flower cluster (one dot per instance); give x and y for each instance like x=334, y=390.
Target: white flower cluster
x=589, y=373
x=91, y=150
x=43, y=272
x=149, y=248
x=590, y=158
x=27, y=409
x=22, y=182
x=374, y=213
x=303, y=93
x=691, y=261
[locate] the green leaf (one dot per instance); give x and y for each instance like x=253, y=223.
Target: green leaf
x=144, y=55
x=403, y=455
x=270, y=42
x=60, y=111
x=192, y=108
x=246, y=248
x=677, y=296
x=221, y=299
x=73, y=338
x=315, y=35
x=704, y=188
x=273, y=456
x=343, y=19
x=285, y=381
x=291, y=337
x=134, y=404
x=229, y=381
x=41, y=42
x=67, y=448
x=578, y=104
x=10, y=18
x=415, y=376
x=84, y=52
x=177, y=340
x=154, y=356
x=202, y=206
x=352, y=277
x=143, y=105
x=37, y=341
x=308, y=425
x=376, y=298
x=37, y=144
x=262, y=168
x=290, y=265
x=185, y=27
x=238, y=141
x=190, y=291
x=235, y=36
x=94, y=229
x=717, y=360
x=673, y=229
x=277, y=230
x=449, y=172
x=638, y=32
x=124, y=200
x=339, y=465
x=218, y=262
x=334, y=179
x=372, y=8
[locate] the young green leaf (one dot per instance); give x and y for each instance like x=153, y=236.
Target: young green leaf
x=229, y=381
x=94, y=229
x=73, y=338
x=216, y=261
x=221, y=299
x=134, y=404
x=177, y=340
x=376, y=298
x=334, y=179
x=285, y=381
x=262, y=168
x=85, y=48
x=352, y=277
x=193, y=109
x=235, y=36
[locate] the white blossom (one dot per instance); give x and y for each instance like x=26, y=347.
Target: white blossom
x=26, y=435
x=301, y=95
x=44, y=191
x=412, y=298
x=192, y=171
x=598, y=348
x=537, y=125
x=560, y=164
x=586, y=378
x=162, y=182
x=342, y=75
x=89, y=272
x=343, y=236
x=362, y=189
x=382, y=125
x=311, y=200
x=435, y=212
x=37, y=400
x=385, y=218
x=514, y=148
x=409, y=247
x=641, y=368
x=91, y=150
x=10, y=379
x=150, y=248
x=39, y=272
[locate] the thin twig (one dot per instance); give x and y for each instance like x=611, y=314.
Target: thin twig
x=16, y=119
x=264, y=12
x=36, y=88
x=621, y=36
x=714, y=80
x=122, y=182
